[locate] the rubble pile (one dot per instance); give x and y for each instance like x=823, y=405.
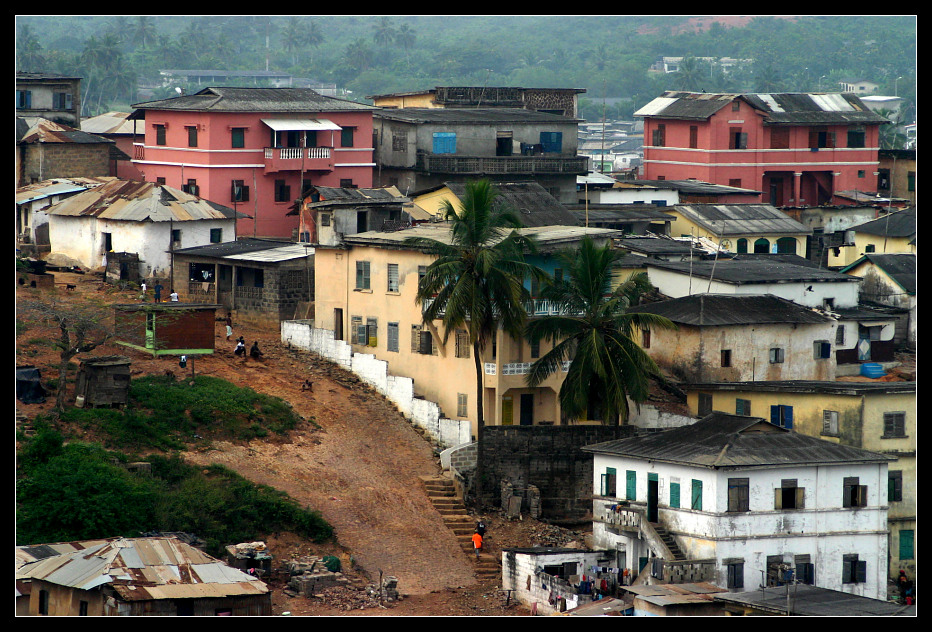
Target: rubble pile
x=311, y=578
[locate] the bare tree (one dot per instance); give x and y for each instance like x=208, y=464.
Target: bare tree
x=82, y=327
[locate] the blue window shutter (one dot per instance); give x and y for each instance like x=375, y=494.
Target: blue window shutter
x=444, y=142
x=787, y=416
x=775, y=415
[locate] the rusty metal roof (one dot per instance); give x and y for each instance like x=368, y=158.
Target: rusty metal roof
x=57, y=186
x=142, y=569
x=131, y=200
x=723, y=441
x=46, y=131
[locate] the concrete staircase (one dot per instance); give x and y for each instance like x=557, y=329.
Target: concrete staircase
x=442, y=495
x=669, y=542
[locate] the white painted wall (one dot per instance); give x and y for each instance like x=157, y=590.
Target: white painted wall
x=397, y=389
x=632, y=196
x=823, y=529
x=676, y=284
x=82, y=238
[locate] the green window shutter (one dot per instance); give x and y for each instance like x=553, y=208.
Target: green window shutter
x=697, y=495
x=906, y=544
x=631, y=485
x=675, y=495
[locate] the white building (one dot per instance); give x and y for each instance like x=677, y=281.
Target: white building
x=32, y=201
x=737, y=501
x=127, y=216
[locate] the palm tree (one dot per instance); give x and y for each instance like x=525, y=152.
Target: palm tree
x=145, y=34
x=476, y=282
x=596, y=334
x=384, y=33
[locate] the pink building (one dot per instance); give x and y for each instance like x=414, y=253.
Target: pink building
x=797, y=149
x=256, y=149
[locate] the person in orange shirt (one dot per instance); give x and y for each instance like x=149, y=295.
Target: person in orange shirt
x=477, y=543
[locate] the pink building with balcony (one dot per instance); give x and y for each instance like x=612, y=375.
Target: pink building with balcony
x=797, y=149
x=256, y=149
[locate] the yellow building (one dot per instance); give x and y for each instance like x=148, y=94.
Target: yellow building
x=876, y=416
x=528, y=200
x=741, y=228
x=365, y=293
x=890, y=233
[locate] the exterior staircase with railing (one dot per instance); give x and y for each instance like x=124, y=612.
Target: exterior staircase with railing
x=442, y=494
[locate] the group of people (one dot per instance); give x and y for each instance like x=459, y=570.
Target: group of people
x=477, y=537
x=157, y=296
x=240, y=349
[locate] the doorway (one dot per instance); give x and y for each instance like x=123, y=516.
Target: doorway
x=652, y=497
x=527, y=409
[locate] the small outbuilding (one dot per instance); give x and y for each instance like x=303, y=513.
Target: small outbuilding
x=172, y=328
x=102, y=381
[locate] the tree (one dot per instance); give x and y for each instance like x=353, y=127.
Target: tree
x=29, y=55
x=891, y=134
x=595, y=333
x=82, y=327
x=690, y=75
x=145, y=33
x=384, y=33
x=477, y=281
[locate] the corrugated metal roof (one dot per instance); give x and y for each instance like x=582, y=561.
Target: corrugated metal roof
x=727, y=441
x=896, y=224
x=529, y=200
x=741, y=270
x=111, y=123
x=225, y=99
x=131, y=200
x=742, y=219
x=144, y=568
x=271, y=255
x=710, y=310
x=282, y=125
x=480, y=116
x=900, y=266
x=46, y=131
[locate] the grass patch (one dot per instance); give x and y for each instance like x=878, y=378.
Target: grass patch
x=166, y=414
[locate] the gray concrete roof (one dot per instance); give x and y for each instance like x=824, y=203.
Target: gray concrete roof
x=254, y=100
x=710, y=310
x=809, y=600
x=741, y=271
x=742, y=219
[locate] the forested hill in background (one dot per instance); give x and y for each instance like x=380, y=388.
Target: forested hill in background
x=609, y=56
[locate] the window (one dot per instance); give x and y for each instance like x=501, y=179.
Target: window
x=393, y=337
x=399, y=141
x=911, y=181
x=734, y=182
x=191, y=187
x=160, y=181
x=631, y=485
x=24, y=99
x=393, y=277
x=828, y=303
x=535, y=349
x=176, y=237
x=216, y=235
x=895, y=486
x=43, y=602
x=239, y=192
x=201, y=272
x=862, y=173
x=421, y=341
x=906, y=544
x=325, y=219
x=894, y=425
x=696, y=502
x=346, y=136
x=737, y=139
x=779, y=138
x=705, y=404
x=726, y=358
x=444, y=142
x=357, y=331
x=855, y=495
x=282, y=191
x=856, y=137
x=743, y=407
x=159, y=134
x=608, y=482
x=693, y=136
x=789, y=495
x=776, y=570
x=840, y=335
x=645, y=337
x=347, y=183
x=820, y=138
x=658, y=136
x=735, y=106
x=372, y=335
x=776, y=355
x=805, y=570
x=853, y=571
x=461, y=400
x=62, y=101
x=821, y=350
x=238, y=137
x=107, y=239
x=192, y=135
x=830, y=423
x=781, y=415
x=552, y=142
x=739, y=498
x=362, y=275
x=735, y=575
x=674, y=492
x=870, y=248
x=82, y=608
x=462, y=343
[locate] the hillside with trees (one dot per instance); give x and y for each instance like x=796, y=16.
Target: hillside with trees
x=609, y=56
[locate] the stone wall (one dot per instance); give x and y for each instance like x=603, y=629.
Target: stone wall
x=549, y=458
x=44, y=161
x=397, y=389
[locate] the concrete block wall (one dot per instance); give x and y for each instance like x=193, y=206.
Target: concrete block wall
x=397, y=389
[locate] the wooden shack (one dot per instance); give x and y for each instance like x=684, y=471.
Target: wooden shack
x=172, y=328
x=102, y=381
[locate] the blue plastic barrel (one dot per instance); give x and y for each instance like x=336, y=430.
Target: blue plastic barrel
x=872, y=369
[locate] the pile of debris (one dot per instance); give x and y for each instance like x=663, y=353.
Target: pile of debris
x=320, y=578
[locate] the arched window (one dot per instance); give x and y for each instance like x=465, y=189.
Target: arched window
x=762, y=246
x=742, y=246
x=786, y=245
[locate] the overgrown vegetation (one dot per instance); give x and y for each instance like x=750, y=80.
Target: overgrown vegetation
x=80, y=491
x=166, y=414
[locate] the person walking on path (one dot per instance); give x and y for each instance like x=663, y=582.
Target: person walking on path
x=229, y=322
x=480, y=527
x=158, y=292
x=477, y=543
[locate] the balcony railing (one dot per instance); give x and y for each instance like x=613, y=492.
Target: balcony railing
x=517, y=368
x=502, y=165
x=298, y=158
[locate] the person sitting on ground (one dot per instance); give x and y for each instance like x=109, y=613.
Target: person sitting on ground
x=254, y=351
x=240, y=349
